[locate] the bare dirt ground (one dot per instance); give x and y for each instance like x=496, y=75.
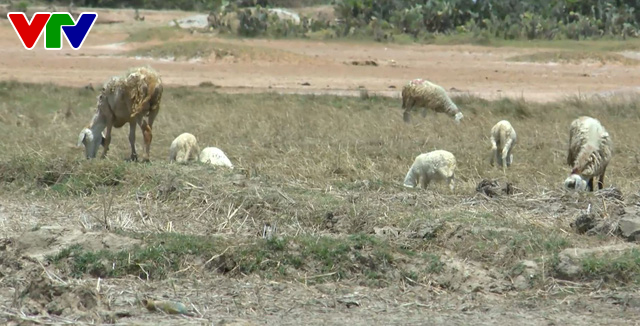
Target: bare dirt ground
x=474, y=294
x=326, y=66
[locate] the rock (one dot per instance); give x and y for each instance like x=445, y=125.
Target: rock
x=492, y=188
x=610, y=193
x=527, y=270
x=571, y=260
x=386, y=231
x=584, y=223
x=427, y=230
x=235, y=322
x=488, y=187
x=196, y=21
x=630, y=227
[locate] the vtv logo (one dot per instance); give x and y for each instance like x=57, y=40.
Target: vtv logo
x=54, y=24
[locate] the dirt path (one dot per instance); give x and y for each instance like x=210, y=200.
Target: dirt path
x=326, y=66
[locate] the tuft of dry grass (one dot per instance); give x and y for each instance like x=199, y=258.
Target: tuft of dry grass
x=576, y=57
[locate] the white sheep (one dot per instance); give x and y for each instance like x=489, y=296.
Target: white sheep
x=215, y=156
x=129, y=99
x=590, y=150
x=421, y=93
x=184, y=148
x=432, y=166
x=503, y=139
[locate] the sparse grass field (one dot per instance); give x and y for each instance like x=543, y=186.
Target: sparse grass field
x=86, y=241
x=326, y=172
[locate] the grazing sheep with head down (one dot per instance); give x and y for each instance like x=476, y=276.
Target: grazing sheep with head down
x=124, y=100
x=503, y=139
x=184, y=148
x=215, y=156
x=432, y=166
x=421, y=93
x=590, y=150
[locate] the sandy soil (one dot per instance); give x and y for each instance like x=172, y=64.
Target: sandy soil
x=327, y=67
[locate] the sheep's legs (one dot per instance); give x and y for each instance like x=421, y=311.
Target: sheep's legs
x=146, y=127
x=424, y=112
x=506, y=150
x=452, y=182
x=494, y=151
x=590, y=184
x=424, y=182
x=406, y=116
x=505, y=156
x=601, y=179
x=132, y=141
x=407, y=105
x=106, y=140
x=146, y=133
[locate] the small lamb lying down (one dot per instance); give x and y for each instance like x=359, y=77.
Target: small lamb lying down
x=215, y=156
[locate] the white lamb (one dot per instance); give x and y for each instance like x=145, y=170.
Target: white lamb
x=432, y=166
x=503, y=139
x=184, y=148
x=590, y=150
x=421, y=93
x=215, y=156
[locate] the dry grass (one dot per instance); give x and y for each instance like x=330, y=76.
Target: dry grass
x=164, y=33
x=326, y=172
x=576, y=57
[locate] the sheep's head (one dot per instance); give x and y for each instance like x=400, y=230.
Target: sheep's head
x=575, y=182
x=90, y=141
x=458, y=117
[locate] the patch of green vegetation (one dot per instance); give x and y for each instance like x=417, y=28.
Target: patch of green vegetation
x=575, y=57
x=434, y=264
x=163, y=254
x=320, y=258
x=541, y=24
x=506, y=246
x=201, y=6
x=623, y=269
